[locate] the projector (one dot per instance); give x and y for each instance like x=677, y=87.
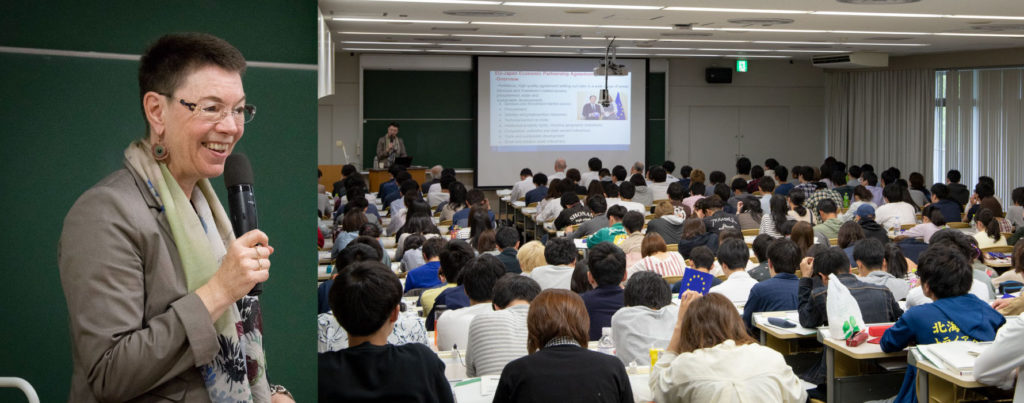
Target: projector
x=605, y=100
x=611, y=69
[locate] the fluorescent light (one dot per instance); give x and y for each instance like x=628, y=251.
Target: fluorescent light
x=463, y=51
x=760, y=56
x=986, y=35
x=533, y=24
x=381, y=43
x=490, y=3
x=481, y=44
x=574, y=5
x=878, y=32
x=568, y=46
x=720, y=56
x=500, y=36
x=808, y=51
x=601, y=38
x=798, y=43
x=870, y=14
x=804, y=31
x=356, y=19
x=882, y=44
x=388, y=33
x=737, y=10
x=634, y=27
x=704, y=40
x=985, y=17
x=652, y=48
x=380, y=50
x=734, y=50
x=527, y=52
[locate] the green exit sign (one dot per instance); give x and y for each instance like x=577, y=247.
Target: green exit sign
x=741, y=66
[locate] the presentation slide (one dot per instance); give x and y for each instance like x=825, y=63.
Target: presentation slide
x=532, y=111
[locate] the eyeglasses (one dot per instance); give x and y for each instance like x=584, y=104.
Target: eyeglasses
x=214, y=112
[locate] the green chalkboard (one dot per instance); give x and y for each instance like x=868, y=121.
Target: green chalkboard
x=434, y=109
x=66, y=122
x=656, y=88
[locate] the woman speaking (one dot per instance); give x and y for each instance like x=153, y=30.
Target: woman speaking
x=154, y=278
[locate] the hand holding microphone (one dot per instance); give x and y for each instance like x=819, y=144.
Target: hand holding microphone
x=242, y=210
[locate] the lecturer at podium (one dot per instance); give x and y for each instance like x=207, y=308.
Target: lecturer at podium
x=390, y=147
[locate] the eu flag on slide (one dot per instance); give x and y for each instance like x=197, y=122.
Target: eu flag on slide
x=696, y=280
x=620, y=114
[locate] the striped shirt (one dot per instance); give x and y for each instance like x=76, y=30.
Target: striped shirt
x=495, y=339
x=672, y=265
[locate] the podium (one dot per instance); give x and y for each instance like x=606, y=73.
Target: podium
x=379, y=175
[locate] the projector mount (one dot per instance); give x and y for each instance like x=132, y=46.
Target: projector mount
x=608, y=67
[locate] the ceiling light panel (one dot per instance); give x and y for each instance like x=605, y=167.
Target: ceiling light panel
x=500, y=36
x=581, y=5
x=388, y=33
x=380, y=43
x=386, y=20
x=483, y=44
x=737, y=10
x=379, y=50
x=481, y=2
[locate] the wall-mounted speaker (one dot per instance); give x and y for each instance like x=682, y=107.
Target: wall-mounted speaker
x=718, y=75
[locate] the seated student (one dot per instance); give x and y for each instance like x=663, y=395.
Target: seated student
x=666, y=223
x=703, y=260
x=507, y=239
x=869, y=180
x=573, y=211
x=658, y=184
x=443, y=194
x=412, y=252
x=549, y=208
x=366, y=302
x=871, y=268
x=715, y=219
x=531, y=256
x=418, y=221
x=436, y=172
x=642, y=193
x=983, y=196
x=676, y=193
x=454, y=255
x=895, y=212
x=696, y=193
x=694, y=235
x=778, y=214
x=750, y=213
x=761, y=271
x=931, y=222
x=560, y=254
x=656, y=258
x=409, y=328
x=778, y=293
x=876, y=302
x=865, y=217
x=1015, y=213
x=498, y=337
x=614, y=232
x=353, y=253
x=710, y=355
x=733, y=255
x=559, y=367
x=715, y=178
x=478, y=278
x=524, y=185
x=739, y=192
x=797, y=211
x=633, y=223
x=781, y=186
x=942, y=200
x=427, y=275
x=606, y=266
x=830, y=222
x=351, y=222
x=820, y=194
x=572, y=176
x=396, y=193
x=955, y=315
x=988, y=234
x=626, y=193
x=594, y=167
x=456, y=201
x=474, y=198
x=646, y=320
x=597, y=206
x=391, y=185
x=684, y=175
x=540, y=189
x=767, y=189
x=981, y=287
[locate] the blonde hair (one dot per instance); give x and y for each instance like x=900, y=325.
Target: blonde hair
x=531, y=256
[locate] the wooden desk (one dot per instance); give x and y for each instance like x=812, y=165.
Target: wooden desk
x=850, y=374
x=939, y=385
x=778, y=339
x=378, y=176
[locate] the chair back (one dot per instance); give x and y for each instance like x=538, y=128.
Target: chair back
x=752, y=232
x=907, y=226
x=998, y=249
x=673, y=279
x=833, y=241
x=672, y=248
x=958, y=225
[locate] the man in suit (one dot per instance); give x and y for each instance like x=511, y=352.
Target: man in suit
x=390, y=146
x=591, y=110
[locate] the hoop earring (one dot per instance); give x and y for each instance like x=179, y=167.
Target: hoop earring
x=159, y=152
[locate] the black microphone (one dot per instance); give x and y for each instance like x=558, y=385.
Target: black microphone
x=241, y=200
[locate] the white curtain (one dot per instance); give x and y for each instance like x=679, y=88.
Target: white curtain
x=984, y=128
x=884, y=118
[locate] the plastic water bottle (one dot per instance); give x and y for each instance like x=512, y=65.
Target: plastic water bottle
x=846, y=200
x=606, y=344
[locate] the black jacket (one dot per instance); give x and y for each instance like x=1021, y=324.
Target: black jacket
x=874, y=230
x=708, y=239
x=876, y=302
x=508, y=258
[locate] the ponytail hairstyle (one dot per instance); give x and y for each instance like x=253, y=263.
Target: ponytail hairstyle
x=986, y=218
x=779, y=208
x=797, y=197
x=895, y=261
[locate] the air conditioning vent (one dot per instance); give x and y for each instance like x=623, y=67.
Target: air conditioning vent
x=479, y=13
x=851, y=60
x=764, y=22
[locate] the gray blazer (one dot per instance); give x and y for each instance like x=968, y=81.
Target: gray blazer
x=137, y=334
